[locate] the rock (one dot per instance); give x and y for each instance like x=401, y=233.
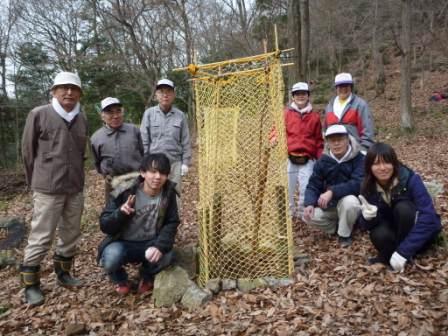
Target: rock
x=75, y=329
x=214, y=285
x=435, y=188
x=169, y=286
x=301, y=259
x=7, y=258
x=186, y=257
x=228, y=284
x=275, y=282
x=246, y=285
x=12, y=232
x=194, y=296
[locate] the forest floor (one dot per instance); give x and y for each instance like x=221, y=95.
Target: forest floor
x=337, y=293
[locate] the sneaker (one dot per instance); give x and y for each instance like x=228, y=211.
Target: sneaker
x=123, y=288
x=145, y=286
x=345, y=241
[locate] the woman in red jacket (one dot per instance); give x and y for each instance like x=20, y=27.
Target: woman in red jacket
x=305, y=144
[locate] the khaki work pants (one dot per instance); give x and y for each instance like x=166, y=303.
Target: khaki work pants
x=51, y=211
x=343, y=217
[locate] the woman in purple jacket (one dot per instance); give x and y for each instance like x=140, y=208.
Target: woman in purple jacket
x=396, y=208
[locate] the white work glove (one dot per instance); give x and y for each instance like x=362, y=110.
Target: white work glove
x=183, y=170
x=397, y=262
x=153, y=254
x=368, y=210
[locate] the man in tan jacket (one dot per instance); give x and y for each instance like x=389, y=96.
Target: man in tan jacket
x=53, y=148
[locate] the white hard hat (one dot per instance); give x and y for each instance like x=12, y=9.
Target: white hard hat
x=300, y=86
x=336, y=129
x=108, y=102
x=343, y=78
x=165, y=82
x=66, y=78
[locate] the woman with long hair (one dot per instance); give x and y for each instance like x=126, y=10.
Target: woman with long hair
x=396, y=208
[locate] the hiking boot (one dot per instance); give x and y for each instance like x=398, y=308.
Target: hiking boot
x=30, y=279
x=123, y=288
x=345, y=241
x=145, y=286
x=62, y=267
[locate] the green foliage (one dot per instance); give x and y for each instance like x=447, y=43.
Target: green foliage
x=34, y=75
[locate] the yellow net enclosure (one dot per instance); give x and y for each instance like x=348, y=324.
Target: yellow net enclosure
x=245, y=229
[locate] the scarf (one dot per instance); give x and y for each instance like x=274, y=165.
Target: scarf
x=386, y=195
x=344, y=158
x=68, y=116
x=306, y=109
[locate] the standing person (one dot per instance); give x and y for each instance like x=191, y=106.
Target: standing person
x=396, y=208
x=305, y=144
x=351, y=111
x=331, y=202
x=164, y=129
x=117, y=146
x=141, y=225
x=53, y=148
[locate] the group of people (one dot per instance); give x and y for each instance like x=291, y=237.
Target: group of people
x=142, y=170
x=349, y=180
x=344, y=180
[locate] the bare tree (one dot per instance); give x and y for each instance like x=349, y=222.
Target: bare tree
x=305, y=30
x=57, y=25
x=8, y=18
x=405, y=67
x=379, y=76
x=295, y=41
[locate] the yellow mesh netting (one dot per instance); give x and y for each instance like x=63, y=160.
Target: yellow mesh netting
x=245, y=229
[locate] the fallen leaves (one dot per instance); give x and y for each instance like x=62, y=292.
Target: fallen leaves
x=337, y=293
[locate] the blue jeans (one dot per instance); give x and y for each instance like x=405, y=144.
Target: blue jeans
x=121, y=252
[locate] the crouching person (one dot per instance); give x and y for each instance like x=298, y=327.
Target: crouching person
x=396, y=209
x=141, y=225
x=331, y=202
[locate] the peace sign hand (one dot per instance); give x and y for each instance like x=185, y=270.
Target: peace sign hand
x=128, y=207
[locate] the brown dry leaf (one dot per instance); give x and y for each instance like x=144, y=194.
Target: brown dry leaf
x=428, y=267
x=214, y=311
x=367, y=290
x=411, y=282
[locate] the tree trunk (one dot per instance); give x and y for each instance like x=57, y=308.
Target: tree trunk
x=305, y=39
x=405, y=67
x=294, y=39
x=379, y=76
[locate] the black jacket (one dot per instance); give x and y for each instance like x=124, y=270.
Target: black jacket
x=112, y=220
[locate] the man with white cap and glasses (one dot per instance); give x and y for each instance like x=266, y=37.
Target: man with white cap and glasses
x=305, y=144
x=331, y=202
x=164, y=129
x=53, y=148
x=350, y=110
x=117, y=146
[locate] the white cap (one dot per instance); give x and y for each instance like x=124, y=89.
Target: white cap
x=108, y=102
x=336, y=129
x=165, y=82
x=343, y=78
x=300, y=86
x=66, y=78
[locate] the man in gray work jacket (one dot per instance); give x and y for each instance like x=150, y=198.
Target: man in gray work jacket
x=53, y=148
x=116, y=147
x=164, y=129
